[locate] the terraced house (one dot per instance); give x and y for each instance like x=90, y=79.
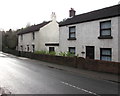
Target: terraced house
x=0, y=40
x=94, y=35
x=41, y=37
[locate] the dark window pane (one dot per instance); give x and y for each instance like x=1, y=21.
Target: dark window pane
x=72, y=32
x=105, y=25
x=106, y=58
x=27, y=47
x=51, y=49
x=72, y=35
x=72, y=50
x=33, y=47
x=72, y=29
x=33, y=35
x=106, y=54
x=21, y=37
x=105, y=28
x=105, y=32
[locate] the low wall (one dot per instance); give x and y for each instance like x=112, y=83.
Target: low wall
x=78, y=62
x=14, y=52
x=102, y=66
x=68, y=61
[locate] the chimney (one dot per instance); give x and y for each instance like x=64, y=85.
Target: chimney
x=72, y=12
x=53, y=16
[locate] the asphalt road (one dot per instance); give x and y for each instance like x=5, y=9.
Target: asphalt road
x=26, y=76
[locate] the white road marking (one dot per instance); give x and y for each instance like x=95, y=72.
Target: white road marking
x=79, y=88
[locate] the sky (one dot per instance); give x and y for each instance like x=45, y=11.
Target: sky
x=15, y=14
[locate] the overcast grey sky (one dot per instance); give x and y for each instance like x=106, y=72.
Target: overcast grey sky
x=16, y=14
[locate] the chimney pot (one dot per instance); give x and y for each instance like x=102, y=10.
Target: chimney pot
x=53, y=16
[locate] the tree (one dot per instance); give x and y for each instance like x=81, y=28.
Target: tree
x=9, y=39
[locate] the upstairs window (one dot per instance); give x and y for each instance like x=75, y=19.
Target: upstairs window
x=33, y=35
x=106, y=54
x=72, y=50
x=21, y=37
x=105, y=30
x=72, y=33
x=21, y=47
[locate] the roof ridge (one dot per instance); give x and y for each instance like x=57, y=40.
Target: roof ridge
x=98, y=9
x=33, y=28
x=110, y=11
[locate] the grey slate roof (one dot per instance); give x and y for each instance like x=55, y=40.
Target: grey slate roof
x=94, y=15
x=32, y=28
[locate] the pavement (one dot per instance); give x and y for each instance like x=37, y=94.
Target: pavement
x=83, y=72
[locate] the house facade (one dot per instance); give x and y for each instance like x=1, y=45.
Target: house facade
x=0, y=40
x=94, y=35
x=41, y=37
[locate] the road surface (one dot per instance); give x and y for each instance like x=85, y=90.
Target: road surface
x=26, y=76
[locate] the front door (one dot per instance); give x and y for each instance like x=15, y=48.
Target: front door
x=90, y=52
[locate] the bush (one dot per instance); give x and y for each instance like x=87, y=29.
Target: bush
x=52, y=53
x=41, y=52
x=62, y=54
x=45, y=52
x=70, y=54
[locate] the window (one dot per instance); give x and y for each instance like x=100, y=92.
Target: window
x=72, y=31
x=21, y=47
x=33, y=48
x=106, y=54
x=21, y=37
x=51, y=49
x=28, y=48
x=105, y=30
x=33, y=35
x=72, y=50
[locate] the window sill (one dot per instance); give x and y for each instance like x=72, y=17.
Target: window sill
x=71, y=38
x=105, y=37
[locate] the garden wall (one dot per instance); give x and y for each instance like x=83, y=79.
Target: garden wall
x=77, y=62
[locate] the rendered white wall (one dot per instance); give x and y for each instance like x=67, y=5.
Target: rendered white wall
x=87, y=35
x=119, y=38
x=0, y=41
x=27, y=40
x=47, y=34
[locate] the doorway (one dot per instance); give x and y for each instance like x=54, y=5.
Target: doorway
x=90, y=52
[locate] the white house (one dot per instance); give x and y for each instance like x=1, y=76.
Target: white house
x=0, y=40
x=94, y=35
x=41, y=37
